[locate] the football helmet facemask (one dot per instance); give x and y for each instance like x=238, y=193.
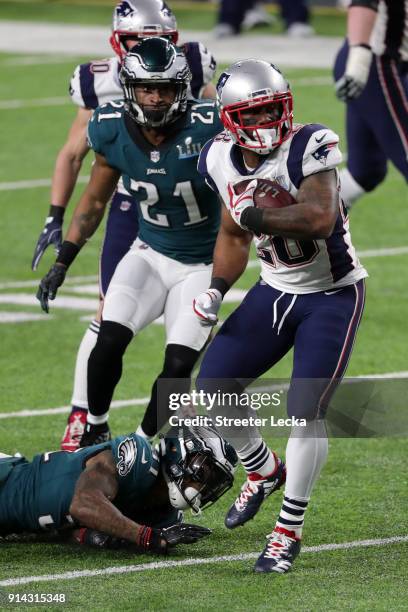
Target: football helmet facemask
x=198, y=467
x=155, y=61
x=255, y=105
x=139, y=19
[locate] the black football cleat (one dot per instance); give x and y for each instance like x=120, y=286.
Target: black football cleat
x=253, y=492
x=279, y=553
x=95, y=434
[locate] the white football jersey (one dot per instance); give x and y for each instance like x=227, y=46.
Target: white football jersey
x=97, y=82
x=292, y=266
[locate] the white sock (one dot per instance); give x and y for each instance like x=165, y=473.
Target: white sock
x=144, y=435
x=99, y=419
x=350, y=190
x=306, y=454
x=80, y=392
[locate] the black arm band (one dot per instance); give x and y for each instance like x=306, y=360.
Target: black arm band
x=220, y=284
x=370, y=4
x=362, y=45
x=67, y=253
x=252, y=218
x=57, y=212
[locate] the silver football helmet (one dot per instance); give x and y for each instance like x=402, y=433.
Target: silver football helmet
x=250, y=87
x=141, y=19
x=155, y=61
x=198, y=466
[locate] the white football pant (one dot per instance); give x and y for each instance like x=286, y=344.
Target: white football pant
x=147, y=284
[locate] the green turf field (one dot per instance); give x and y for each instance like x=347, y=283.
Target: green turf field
x=363, y=491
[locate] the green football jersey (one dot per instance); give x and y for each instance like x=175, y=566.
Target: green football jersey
x=179, y=214
x=37, y=494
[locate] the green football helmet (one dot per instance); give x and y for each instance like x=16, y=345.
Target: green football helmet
x=155, y=61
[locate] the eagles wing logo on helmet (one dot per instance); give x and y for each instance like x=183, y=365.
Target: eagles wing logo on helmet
x=127, y=453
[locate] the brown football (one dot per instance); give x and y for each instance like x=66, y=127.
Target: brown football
x=268, y=194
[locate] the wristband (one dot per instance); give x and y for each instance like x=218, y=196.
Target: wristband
x=252, y=218
x=56, y=212
x=67, y=253
x=361, y=45
x=143, y=537
x=220, y=284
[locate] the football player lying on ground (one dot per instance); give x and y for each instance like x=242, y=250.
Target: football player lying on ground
x=121, y=492
x=310, y=296
x=92, y=85
x=153, y=139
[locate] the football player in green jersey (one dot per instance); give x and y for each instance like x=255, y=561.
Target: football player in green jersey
x=152, y=139
x=119, y=492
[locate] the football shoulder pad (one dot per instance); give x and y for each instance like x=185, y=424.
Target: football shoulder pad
x=314, y=148
x=104, y=125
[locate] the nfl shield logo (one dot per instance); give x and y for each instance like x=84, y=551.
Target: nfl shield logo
x=155, y=156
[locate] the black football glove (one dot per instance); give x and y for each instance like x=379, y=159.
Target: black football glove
x=49, y=285
x=160, y=541
x=51, y=234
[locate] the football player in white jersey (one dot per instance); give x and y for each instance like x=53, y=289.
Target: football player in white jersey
x=93, y=84
x=310, y=296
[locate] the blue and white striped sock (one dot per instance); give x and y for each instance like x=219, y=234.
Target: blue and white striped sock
x=259, y=459
x=292, y=514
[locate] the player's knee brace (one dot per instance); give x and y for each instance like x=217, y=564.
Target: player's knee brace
x=179, y=361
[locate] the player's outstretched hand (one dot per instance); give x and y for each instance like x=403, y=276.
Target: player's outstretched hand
x=161, y=540
x=239, y=202
x=49, y=285
x=206, y=307
x=355, y=77
x=50, y=235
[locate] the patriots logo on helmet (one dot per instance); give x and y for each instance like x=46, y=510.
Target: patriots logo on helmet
x=322, y=152
x=166, y=9
x=124, y=9
x=222, y=80
x=127, y=453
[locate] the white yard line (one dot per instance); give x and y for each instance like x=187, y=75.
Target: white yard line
x=66, y=101
x=159, y=565
x=140, y=401
x=37, y=102
x=118, y=404
x=32, y=184
x=34, y=283
x=39, y=60
x=385, y=252
x=27, y=38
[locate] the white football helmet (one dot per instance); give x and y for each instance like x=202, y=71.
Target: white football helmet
x=155, y=61
x=244, y=89
x=198, y=456
x=141, y=19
